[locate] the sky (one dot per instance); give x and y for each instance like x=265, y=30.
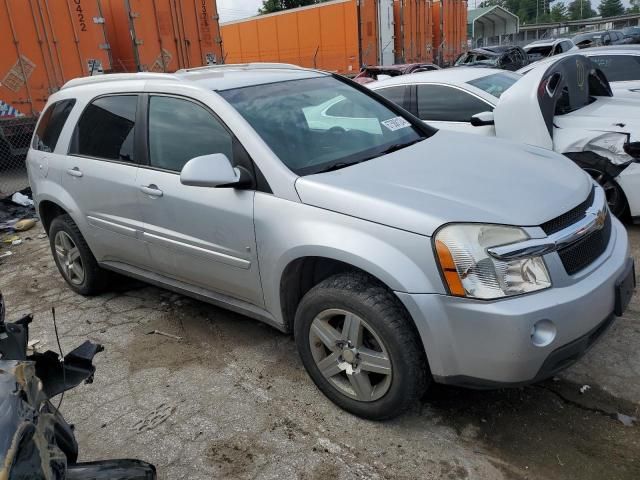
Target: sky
x=235, y=9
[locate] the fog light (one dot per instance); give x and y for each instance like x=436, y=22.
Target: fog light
x=543, y=333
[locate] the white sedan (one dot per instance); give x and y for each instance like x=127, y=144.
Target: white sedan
x=566, y=106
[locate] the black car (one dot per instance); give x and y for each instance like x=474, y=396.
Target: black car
x=504, y=57
x=599, y=38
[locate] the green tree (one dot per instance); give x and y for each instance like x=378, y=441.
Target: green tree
x=635, y=6
x=611, y=8
x=559, y=12
x=579, y=9
x=270, y=6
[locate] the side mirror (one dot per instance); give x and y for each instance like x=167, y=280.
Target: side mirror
x=482, y=119
x=215, y=171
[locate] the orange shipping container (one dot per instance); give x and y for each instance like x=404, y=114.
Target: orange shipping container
x=413, y=31
x=450, y=29
x=162, y=35
x=43, y=44
x=339, y=35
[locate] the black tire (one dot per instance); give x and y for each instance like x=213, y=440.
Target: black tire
x=371, y=301
x=604, y=173
x=95, y=279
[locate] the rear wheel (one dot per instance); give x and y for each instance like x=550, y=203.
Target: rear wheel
x=74, y=259
x=359, y=346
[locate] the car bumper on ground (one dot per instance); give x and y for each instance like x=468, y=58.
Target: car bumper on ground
x=484, y=344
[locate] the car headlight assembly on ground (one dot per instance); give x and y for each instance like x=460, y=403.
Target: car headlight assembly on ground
x=469, y=270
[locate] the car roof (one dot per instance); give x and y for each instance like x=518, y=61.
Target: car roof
x=546, y=42
x=454, y=76
x=215, y=77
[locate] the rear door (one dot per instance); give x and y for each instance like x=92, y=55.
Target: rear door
x=201, y=236
x=100, y=175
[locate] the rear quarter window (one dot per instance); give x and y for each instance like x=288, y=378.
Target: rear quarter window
x=50, y=125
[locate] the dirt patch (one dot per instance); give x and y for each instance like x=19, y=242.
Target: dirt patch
x=546, y=431
x=238, y=457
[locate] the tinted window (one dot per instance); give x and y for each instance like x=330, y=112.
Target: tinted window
x=437, y=102
x=566, y=46
x=291, y=118
x=495, y=84
x=106, y=129
x=180, y=130
x=50, y=126
x=618, y=68
x=398, y=95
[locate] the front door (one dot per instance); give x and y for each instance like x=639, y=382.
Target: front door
x=451, y=108
x=201, y=236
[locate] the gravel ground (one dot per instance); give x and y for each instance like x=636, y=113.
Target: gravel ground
x=231, y=399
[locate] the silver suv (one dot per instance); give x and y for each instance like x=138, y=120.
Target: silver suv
x=395, y=253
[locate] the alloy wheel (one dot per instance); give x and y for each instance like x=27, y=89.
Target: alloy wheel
x=69, y=258
x=350, y=355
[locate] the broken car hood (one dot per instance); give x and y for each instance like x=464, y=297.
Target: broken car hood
x=526, y=112
x=452, y=177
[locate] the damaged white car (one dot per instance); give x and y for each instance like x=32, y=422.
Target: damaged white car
x=566, y=106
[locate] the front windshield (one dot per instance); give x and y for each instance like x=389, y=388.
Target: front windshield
x=472, y=58
x=322, y=123
x=495, y=84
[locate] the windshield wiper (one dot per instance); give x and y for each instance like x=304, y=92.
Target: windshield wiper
x=397, y=146
x=393, y=148
x=336, y=166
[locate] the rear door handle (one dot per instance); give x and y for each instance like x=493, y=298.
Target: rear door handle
x=74, y=172
x=151, y=190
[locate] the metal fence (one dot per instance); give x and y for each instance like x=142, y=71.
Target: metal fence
x=15, y=135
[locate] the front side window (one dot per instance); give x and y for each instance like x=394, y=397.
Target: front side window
x=495, y=84
x=293, y=119
x=448, y=104
x=618, y=68
x=180, y=130
x=106, y=129
x=51, y=124
x=398, y=95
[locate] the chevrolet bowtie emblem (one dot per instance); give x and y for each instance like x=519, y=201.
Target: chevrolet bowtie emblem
x=601, y=218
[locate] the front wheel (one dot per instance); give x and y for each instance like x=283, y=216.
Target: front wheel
x=615, y=196
x=359, y=346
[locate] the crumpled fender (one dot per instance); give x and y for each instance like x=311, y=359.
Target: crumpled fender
x=607, y=144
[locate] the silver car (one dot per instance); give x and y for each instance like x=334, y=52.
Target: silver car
x=396, y=254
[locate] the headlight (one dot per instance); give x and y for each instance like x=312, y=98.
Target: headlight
x=469, y=271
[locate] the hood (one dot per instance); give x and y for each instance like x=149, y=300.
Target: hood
x=607, y=114
x=452, y=177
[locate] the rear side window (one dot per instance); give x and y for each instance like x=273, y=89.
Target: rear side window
x=446, y=104
x=180, y=130
x=50, y=126
x=398, y=95
x=618, y=68
x=106, y=129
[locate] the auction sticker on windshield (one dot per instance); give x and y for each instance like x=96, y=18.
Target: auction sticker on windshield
x=396, y=123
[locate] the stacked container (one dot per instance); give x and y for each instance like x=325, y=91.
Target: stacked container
x=43, y=44
x=450, y=30
x=340, y=36
x=413, y=31
x=162, y=35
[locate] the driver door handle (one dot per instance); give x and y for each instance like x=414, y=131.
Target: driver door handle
x=151, y=190
x=74, y=172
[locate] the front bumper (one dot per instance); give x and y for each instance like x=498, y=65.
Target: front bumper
x=485, y=344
